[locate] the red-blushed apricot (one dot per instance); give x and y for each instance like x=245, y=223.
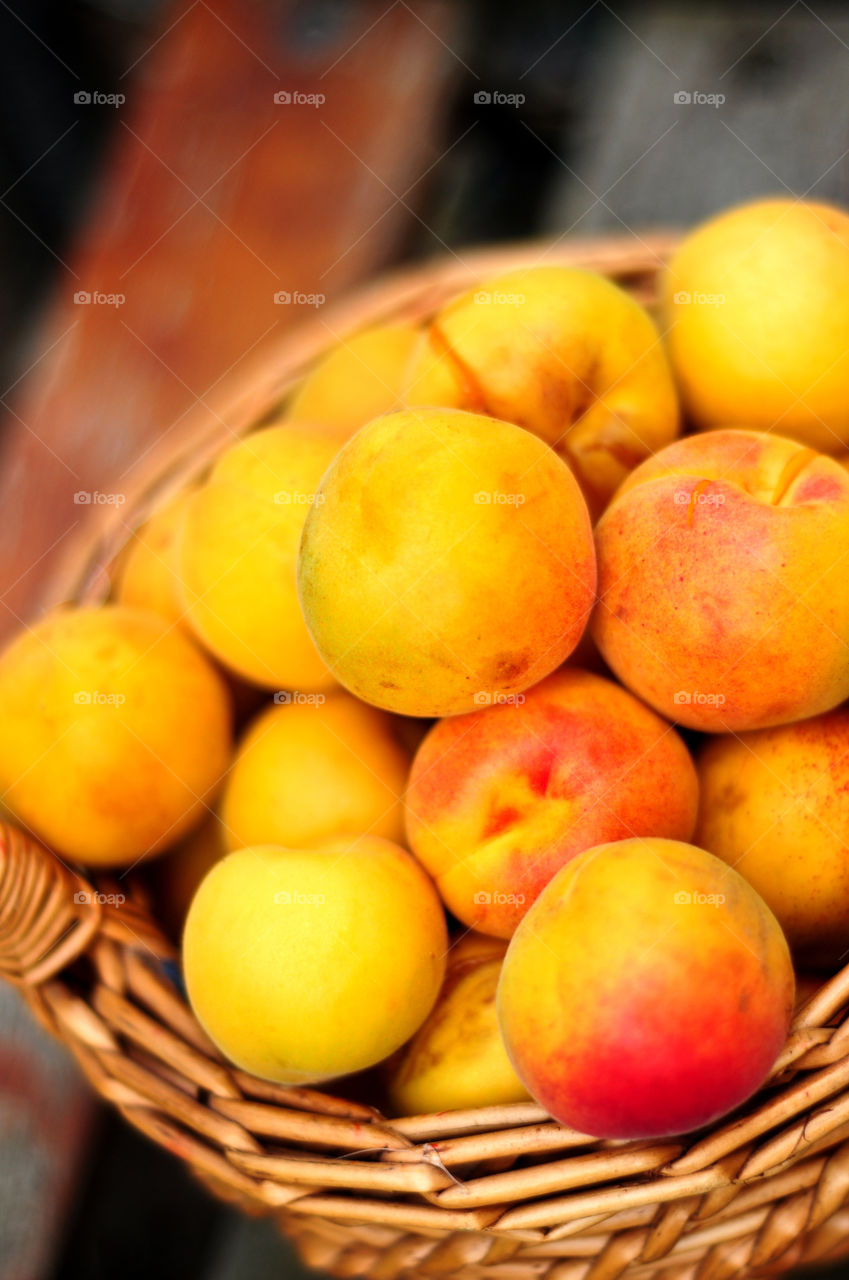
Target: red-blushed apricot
x=647, y=992
x=775, y=806
x=499, y=799
x=723, y=591
x=447, y=557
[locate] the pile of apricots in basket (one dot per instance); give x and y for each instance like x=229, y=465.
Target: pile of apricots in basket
x=480, y=721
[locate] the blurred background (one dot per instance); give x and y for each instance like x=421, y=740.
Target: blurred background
x=171, y=174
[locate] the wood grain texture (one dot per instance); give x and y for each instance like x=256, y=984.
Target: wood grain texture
x=215, y=198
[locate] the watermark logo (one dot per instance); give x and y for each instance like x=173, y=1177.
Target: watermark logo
x=498, y=898
x=295, y=98
x=683, y=298
x=488, y=298
x=293, y=898
x=86, y=298
x=94, y=498
x=85, y=897
x=283, y=298
x=297, y=498
x=684, y=899
x=94, y=98
x=494, y=698
x=695, y=98
x=294, y=697
x=495, y=499
x=683, y=498
x=684, y=698
x=94, y=698
x=496, y=98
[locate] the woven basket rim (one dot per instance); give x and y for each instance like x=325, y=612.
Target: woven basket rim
x=239, y=404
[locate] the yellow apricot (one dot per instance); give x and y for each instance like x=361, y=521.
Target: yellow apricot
x=313, y=769
x=237, y=553
x=448, y=559
x=360, y=377
x=302, y=965
x=457, y=1058
x=146, y=577
x=757, y=307
x=775, y=805
x=564, y=353
x=116, y=732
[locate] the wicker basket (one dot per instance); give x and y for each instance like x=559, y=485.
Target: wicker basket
x=500, y=1191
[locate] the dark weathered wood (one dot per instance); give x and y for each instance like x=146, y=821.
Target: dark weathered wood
x=215, y=199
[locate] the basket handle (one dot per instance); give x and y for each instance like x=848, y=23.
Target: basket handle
x=48, y=913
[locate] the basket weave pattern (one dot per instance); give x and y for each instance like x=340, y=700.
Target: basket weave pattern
x=500, y=1192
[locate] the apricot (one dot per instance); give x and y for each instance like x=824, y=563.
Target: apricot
x=723, y=597
x=775, y=805
x=237, y=553
x=647, y=992
x=116, y=732
x=314, y=769
x=457, y=1058
x=361, y=377
x=500, y=799
x=449, y=556
x=756, y=303
x=564, y=353
x=146, y=577
x=302, y=965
